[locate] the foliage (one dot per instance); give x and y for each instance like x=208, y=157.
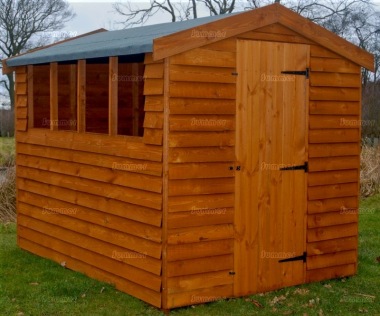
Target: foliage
x=370, y=171
x=25, y=24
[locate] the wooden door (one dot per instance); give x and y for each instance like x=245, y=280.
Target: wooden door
x=271, y=134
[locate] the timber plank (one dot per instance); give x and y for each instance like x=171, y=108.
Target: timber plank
x=154, y=103
x=199, y=217
x=319, y=51
x=200, y=265
x=153, y=120
x=199, y=250
x=332, y=246
x=340, y=65
x=21, y=112
x=201, y=139
x=107, y=175
x=198, y=281
x=153, y=86
x=120, y=146
x=332, y=232
x=201, y=123
x=131, y=288
x=333, y=204
x=202, y=106
x=92, y=159
x=334, y=108
x=330, y=219
x=200, y=296
x=22, y=100
x=111, y=236
x=51, y=206
x=201, y=154
x=331, y=259
x=205, y=57
x=200, y=170
x=334, y=94
x=273, y=37
x=323, y=79
x=333, y=191
x=334, y=121
x=334, y=135
x=154, y=71
x=337, y=271
x=201, y=186
x=201, y=233
x=135, y=259
x=202, y=74
x=119, y=268
x=199, y=202
x=129, y=195
x=333, y=177
x=21, y=125
x=153, y=136
x=100, y=203
x=202, y=90
x=334, y=150
x=333, y=163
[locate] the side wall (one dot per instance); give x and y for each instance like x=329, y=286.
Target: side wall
x=334, y=163
x=92, y=202
x=202, y=89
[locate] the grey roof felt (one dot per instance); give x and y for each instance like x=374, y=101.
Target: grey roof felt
x=111, y=43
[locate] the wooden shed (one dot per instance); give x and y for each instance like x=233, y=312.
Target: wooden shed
x=193, y=161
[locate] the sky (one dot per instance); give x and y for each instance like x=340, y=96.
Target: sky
x=95, y=14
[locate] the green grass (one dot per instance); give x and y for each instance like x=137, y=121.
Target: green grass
x=30, y=285
x=7, y=149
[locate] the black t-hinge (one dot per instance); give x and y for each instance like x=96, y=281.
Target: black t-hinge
x=303, y=258
x=297, y=72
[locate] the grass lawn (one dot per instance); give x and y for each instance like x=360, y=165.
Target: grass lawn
x=7, y=149
x=30, y=285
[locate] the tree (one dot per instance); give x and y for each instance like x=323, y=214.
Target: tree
x=25, y=24
x=177, y=10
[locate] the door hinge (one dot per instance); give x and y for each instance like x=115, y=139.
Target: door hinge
x=303, y=258
x=297, y=72
x=304, y=167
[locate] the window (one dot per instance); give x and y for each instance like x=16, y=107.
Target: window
x=131, y=98
x=76, y=95
x=41, y=96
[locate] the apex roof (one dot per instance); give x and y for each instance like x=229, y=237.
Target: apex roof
x=168, y=39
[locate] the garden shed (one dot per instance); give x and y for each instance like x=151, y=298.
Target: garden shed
x=193, y=161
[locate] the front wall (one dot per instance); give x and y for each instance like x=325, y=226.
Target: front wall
x=201, y=150
x=201, y=184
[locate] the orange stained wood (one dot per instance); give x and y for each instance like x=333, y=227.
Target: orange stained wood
x=30, y=97
x=270, y=205
x=254, y=20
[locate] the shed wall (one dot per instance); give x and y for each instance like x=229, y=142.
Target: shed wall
x=200, y=187
x=92, y=201
x=201, y=150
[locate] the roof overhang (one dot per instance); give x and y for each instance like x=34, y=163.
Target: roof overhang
x=254, y=19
